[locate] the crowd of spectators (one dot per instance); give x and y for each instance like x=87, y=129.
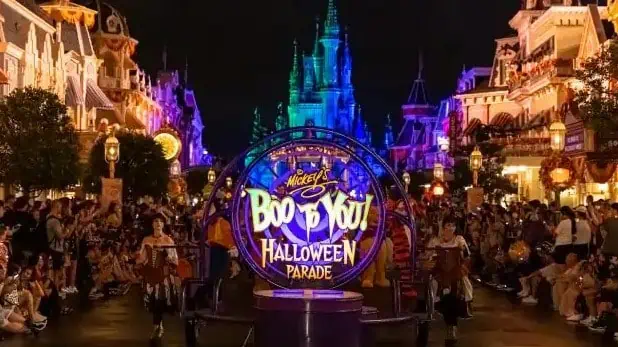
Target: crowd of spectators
x=561, y=258
x=71, y=248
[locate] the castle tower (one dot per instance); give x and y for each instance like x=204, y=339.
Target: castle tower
x=330, y=91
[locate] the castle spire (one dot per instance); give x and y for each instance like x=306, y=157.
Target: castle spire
x=316, y=44
x=388, y=133
x=347, y=63
x=294, y=73
x=331, y=25
x=417, y=94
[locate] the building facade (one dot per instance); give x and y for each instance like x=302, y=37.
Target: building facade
x=530, y=85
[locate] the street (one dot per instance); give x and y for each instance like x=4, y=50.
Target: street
x=497, y=323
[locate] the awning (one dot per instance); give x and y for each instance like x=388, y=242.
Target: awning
x=473, y=126
x=4, y=78
x=73, y=96
x=520, y=121
x=541, y=119
x=502, y=120
x=95, y=97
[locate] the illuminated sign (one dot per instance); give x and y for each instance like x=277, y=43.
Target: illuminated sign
x=170, y=144
x=305, y=229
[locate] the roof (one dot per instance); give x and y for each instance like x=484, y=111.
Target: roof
x=412, y=133
x=36, y=9
x=15, y=27
x=70, y=38
x=484, y=87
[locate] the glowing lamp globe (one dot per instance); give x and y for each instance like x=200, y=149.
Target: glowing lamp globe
x=438, y=171
x=438, y=190
x=557, y=134
x=560, y=175
x=112, y=149
x=229, y=182
x=212, y=176
x=476, y=159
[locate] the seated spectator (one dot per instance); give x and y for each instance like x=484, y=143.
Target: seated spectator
x=20, y=300
x=567, y=289
x=530, y=283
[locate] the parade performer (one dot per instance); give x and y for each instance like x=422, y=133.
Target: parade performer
x=158, y=260
x=376, y=272
x=402, y=248
x=447, y=257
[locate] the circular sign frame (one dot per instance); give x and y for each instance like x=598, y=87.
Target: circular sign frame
x=332, y=206
x=170, y=142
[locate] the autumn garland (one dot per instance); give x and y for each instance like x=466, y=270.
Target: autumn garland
x=549, y=164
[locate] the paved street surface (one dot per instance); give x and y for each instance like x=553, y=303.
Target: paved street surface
x=497, y=323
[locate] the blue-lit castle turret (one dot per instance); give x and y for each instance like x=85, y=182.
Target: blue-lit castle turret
x=321, y=89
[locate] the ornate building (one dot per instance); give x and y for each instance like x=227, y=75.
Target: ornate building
x=530, y=86
x=417, y=146
x=182, y=114
x=120, y=77
x=321, y=89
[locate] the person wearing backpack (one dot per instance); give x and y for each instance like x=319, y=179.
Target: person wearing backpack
x=56, y=233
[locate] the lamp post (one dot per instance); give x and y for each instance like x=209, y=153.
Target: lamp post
x=212, y=176
x=476, y=161
x=557, y=135
x=112, y=153
x=406, y=180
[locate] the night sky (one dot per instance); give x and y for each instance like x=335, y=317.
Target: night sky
x=240, y=51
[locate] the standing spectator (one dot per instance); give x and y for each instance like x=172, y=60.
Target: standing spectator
x=55, y=236
x=583, y=236
x=610, y=246
x=565, y=230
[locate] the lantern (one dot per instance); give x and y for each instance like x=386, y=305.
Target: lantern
x=476, y=159
x=560, y=175
x=557, y=133
x=175, y=168
x=212, y=176
x=229, y=182
x=438, y=171
x=112, y=153
x=438, y=190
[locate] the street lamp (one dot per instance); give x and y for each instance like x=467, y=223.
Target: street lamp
x=212, y=176
x=175, y=168
x=112, y=153
x=476, y=161
x=557, y=134
x=229, y=182
x=438, y=171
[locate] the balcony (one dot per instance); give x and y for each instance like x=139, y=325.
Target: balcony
x=537, y=71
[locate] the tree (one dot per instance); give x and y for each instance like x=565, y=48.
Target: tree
x=38, y=143
x=196, y=181
x=495, y=185
x=142, y=166
x=597, y=99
